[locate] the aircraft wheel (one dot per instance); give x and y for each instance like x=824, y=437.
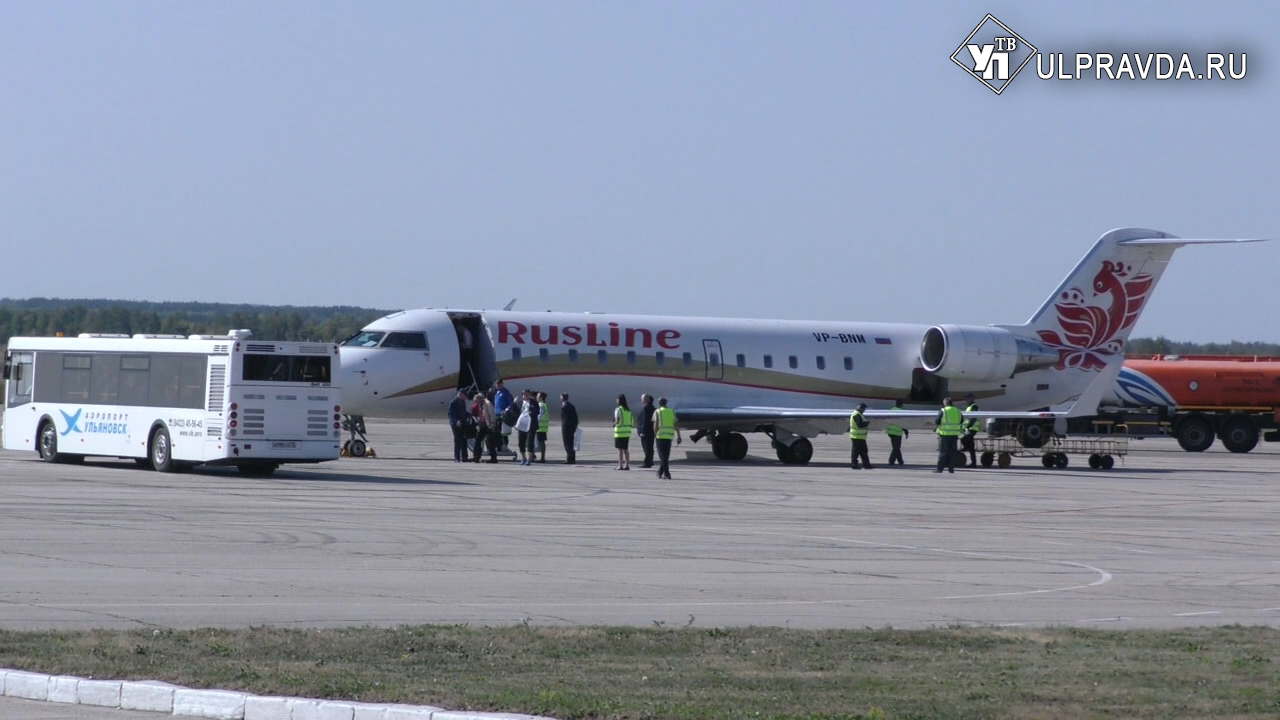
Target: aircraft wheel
x=801, y=451
x=1095, y=461
x=161, y=451
x=1239, y=434
x=357, y=448
x=1004, y=460
x=735, y=446
x=1107, y=462
x=784, y=453
x=717, y=446
x=1194, y=433
x=987, y=459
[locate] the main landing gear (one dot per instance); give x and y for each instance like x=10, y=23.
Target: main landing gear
x=791, y=449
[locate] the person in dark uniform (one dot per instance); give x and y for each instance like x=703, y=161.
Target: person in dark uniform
x=459, y=412
x=971, y=427
x=664, y=429
x=858, y=427
x=950, y=424
x=896, y=433
x=644, y=428
x=568, y=427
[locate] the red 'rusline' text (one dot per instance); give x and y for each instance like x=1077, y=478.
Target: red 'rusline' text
x=590, y=334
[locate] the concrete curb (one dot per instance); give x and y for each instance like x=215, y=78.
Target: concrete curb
x=161, y=697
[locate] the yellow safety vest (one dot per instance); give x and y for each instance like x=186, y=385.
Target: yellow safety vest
x=975, y=424
x=855, y=432
x=666, y=423
x=951, y=421
x=624, y=428
x=893, y=430
x=544, y=418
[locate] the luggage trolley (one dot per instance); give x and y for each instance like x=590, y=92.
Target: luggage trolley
x=1102, y=451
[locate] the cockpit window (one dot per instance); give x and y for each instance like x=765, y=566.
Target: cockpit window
x=411, y=341
x=365, y=338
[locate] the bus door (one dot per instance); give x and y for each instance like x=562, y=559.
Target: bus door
x=715, y=363
x=18, y=371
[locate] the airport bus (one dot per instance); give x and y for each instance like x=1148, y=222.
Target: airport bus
x=172, y=402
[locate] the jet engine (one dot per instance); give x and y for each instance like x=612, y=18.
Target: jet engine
x=967, y=352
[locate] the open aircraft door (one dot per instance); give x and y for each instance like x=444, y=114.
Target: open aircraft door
x=714, y=358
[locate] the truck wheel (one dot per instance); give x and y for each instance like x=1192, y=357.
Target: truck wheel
x=1239, y=434
x=1194, y=433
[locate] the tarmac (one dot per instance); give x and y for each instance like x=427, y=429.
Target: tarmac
x=1164, y=539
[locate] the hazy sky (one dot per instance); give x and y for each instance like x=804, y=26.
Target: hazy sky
x=739, y=159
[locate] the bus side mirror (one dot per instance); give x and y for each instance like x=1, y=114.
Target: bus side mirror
x=8, y=365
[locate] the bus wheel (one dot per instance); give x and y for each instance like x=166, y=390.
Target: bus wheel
x=1194, y=433
x=1239, y=434
x=49, y=443
x=161, y=451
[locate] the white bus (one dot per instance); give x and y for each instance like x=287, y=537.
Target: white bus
x=173, y=402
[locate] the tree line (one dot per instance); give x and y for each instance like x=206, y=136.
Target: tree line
x=49, y=316
x=46, y=317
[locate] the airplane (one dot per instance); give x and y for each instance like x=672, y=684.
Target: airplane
x=790, y=380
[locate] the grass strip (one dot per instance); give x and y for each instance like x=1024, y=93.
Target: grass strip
x=698, y=673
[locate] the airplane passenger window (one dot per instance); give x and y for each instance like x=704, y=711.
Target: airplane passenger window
x=822, y=363
x=661, y=358
x=768, y=361
x=848, y=363
x=631, y=357
x=515, y=353
x=573, y=356
x=603, y=356
x=793, y=362
x=543, y=354
x=367, y=338
x=406, y=340
x=742, y=360
x=688, y=358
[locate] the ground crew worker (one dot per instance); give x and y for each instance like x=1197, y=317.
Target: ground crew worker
x=896, y=433
x=544, y=424
x=623, y=422
x=950, y=424
x=971, y=427
x=858, y=426
x=664, y=428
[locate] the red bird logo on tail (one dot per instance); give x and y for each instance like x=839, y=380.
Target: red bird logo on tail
x=1090, y=324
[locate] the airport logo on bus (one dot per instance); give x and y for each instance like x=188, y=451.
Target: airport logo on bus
x=96, y=423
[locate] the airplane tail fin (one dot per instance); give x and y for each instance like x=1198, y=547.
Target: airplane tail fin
x=1086, y=322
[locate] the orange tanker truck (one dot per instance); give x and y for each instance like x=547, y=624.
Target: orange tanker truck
x=1196, y=398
